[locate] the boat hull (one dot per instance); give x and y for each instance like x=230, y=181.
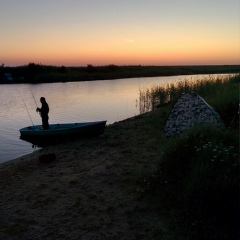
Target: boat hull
x=58, y=132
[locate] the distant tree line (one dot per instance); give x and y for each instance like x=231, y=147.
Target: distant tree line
x=38, y=73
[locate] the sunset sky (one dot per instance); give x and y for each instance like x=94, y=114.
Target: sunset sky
x=121, y=32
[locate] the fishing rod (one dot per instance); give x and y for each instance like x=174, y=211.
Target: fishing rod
x=26, y=107
x=33, y=96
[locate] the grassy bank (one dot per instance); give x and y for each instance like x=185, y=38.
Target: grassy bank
x=197, y=179
x=37, y=73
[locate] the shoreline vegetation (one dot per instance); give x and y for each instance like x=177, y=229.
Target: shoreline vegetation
x=37, y=73
x=132, y=182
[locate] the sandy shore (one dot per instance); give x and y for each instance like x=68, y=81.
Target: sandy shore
x=91, y=190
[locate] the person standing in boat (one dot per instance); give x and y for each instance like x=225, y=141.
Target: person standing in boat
x=44, y=110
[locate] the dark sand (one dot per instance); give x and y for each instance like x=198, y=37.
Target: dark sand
x=91, y=190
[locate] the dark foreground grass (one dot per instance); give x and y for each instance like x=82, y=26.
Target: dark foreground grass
x=196, y=184
x=198, y=181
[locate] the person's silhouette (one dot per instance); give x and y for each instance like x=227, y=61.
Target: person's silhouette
x=44, y=110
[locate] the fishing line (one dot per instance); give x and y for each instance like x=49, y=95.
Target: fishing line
x=26, y=107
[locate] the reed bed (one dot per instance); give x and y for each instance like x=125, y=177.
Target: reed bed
x=159, y=95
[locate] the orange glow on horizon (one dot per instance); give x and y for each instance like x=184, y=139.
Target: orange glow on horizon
x=130, y=52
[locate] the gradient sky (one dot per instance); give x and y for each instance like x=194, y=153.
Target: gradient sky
x=121, y=32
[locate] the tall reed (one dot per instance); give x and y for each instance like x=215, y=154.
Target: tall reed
x=159, y=95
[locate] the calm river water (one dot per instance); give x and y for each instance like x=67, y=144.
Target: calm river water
x=111, y=100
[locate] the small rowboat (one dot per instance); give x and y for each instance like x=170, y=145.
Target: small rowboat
x=56, y=132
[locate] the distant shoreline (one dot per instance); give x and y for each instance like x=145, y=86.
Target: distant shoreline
x=36, y=73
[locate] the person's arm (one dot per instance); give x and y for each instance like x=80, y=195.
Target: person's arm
x=38, y=109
